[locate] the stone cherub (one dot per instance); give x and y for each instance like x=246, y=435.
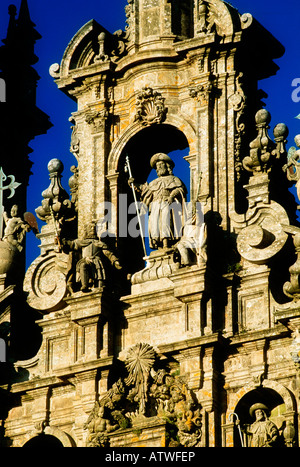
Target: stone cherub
x=90, y=270
x=15, y=229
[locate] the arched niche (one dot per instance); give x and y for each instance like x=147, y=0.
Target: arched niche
x=43, y=441
x=142, y=144
x=279, y=400
x=51, y=437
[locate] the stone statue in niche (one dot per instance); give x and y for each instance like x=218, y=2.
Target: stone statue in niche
x=165, y=197
x=90, y=270
x=264, y=433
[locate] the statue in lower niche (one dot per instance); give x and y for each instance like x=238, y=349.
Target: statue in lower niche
x=264, y=432
x=165, y=198
x=90, y=270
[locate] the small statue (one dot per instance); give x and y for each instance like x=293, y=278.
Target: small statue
x=292, y=168
x=162, y=195
x=16, y=229
x=191, y=247
x=90, y=270
x=99, y=426
x=263, y=431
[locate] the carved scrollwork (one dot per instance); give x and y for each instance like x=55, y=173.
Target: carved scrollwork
x=45, y=282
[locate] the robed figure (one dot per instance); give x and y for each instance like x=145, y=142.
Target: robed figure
x=164, y=197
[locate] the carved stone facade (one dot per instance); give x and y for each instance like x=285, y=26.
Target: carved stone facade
x=196, y=344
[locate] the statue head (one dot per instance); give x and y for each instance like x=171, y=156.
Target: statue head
x=90, y=230
x=14, y=210
x=162, y=163
x=259, y=411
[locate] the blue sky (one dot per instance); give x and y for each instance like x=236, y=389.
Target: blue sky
x=58, y=21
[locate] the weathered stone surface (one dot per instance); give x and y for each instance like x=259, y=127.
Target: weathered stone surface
x=174, y=351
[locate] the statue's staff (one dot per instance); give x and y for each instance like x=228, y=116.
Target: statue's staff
x=128, y=169
x=237, y=423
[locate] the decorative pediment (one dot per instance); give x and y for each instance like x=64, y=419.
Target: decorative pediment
x=91, y=44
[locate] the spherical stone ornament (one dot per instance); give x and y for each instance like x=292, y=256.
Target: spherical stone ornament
x=55, y=166
x=263, y=117
x=281, y=130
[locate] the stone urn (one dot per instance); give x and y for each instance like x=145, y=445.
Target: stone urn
x=8, y=256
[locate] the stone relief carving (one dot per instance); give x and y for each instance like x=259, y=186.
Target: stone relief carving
x=206, y=18
x=98, y=427
x=150, y=107
x=129, y=12
x=97, y=120
x=147, y=391
x=238, y=102
x=73, y=184
x=75, y=141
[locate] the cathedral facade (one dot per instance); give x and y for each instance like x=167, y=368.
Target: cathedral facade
x=167, y=285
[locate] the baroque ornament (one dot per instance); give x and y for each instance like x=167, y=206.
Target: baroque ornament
x=146, y=392
x=150, y=107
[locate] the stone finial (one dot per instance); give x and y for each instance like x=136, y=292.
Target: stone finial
x=56, y=204
x=262, y=148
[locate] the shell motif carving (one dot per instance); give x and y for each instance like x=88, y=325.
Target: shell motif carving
x=150, y=107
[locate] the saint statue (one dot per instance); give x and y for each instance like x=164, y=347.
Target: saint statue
x=263, y=431
x=164, y=197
